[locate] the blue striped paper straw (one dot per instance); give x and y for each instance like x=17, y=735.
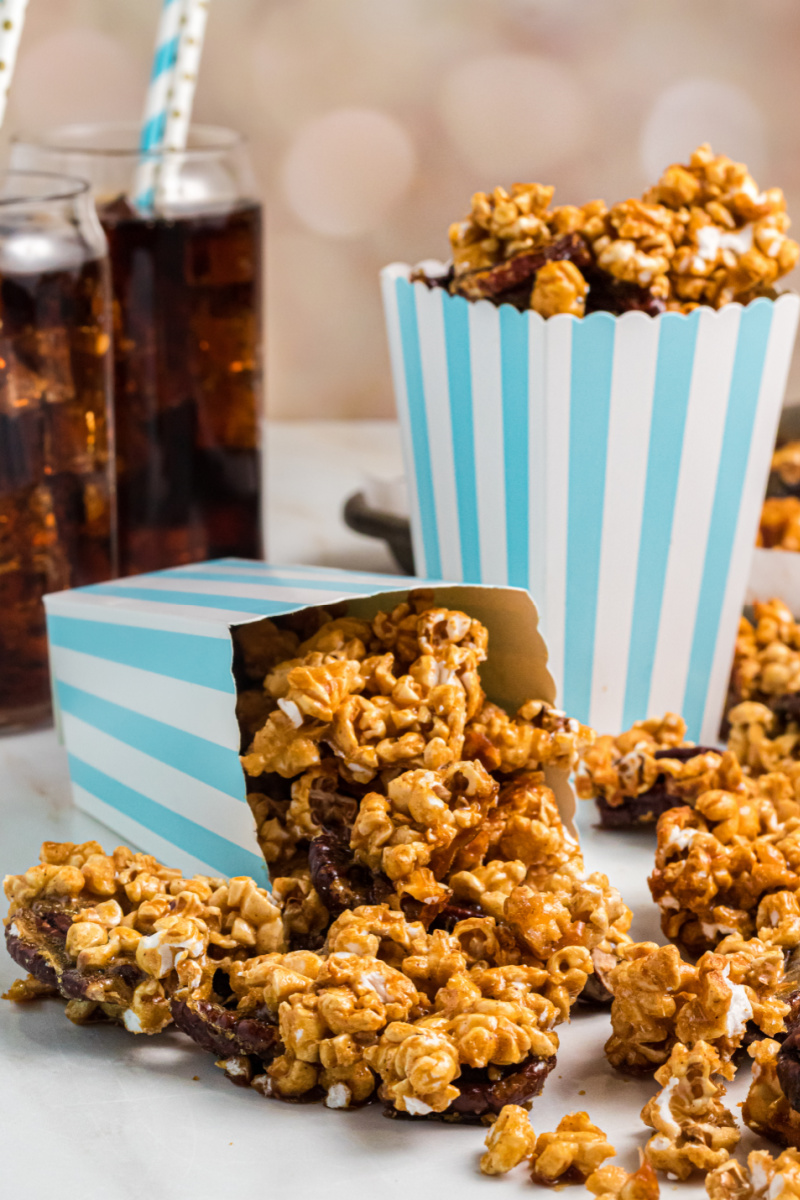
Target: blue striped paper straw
x=12, y=19
x=170, y=95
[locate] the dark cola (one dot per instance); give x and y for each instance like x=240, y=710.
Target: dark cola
x=187, y=334
x=56, y=494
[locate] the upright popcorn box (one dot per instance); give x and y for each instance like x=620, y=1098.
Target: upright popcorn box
x=614, y=466
x=145, y=694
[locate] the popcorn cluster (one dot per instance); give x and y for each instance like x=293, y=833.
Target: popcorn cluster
x=650, y=768
x=431, y=923
x=704, y=235
x=117, y=934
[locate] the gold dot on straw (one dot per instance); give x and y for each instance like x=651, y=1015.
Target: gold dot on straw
x=8, y=24
x=2, y=66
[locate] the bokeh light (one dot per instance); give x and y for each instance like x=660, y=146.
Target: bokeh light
x=347, y=169
x=514, y=116
x=703, y=110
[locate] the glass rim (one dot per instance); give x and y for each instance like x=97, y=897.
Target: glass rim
x=71, y=187
x=56, y=140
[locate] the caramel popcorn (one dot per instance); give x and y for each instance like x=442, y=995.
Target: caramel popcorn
x=128, y=931
x=559, y=288
x=612, y=1183
x=415, y=825
x=715, y=864
x=766, y=1110
x=572, y=1153
x=510, y=1140
x=538, y=736
x=704, y=234
x=786, y=463
x=694, y=1131
x=763, y=741
x=766, y=663
x=764, y=1178
x=660, y=1000
x=650, y=768
x=779, y=528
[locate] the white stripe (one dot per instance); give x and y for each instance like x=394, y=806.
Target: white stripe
x=715, y=351
x=632, y=385
x=537, y=463
x=435, y=385
x=201, y=803
x=773, y=385
x=558, y=365
x=202, y=711
x=389, y=275
x=139, y=837
x=487, y=411
x=84, y=605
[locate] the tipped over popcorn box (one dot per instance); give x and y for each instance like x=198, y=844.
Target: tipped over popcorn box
x=145, y=675
x=613, y=465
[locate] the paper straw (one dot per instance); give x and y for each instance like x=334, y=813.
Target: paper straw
x=170, y=95
x=12, y=19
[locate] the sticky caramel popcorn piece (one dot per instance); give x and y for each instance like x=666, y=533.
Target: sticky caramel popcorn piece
x=766, y=1110
x=624, y=772
x=763, y=741
x=764, y=1178
x=659, y=1000
x=510, y=1140
x=559, y=288
x=572, y=1153
x=694, y=1131
x=766, y=659
x=538, y=736
x=786, y=463
x=779, y=527
x=420, y=817
x=716, y=863
x=612, y=1183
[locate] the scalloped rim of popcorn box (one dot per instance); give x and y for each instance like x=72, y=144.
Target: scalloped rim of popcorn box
x=144, y=692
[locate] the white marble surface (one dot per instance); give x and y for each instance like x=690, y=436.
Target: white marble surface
x=98, y=1113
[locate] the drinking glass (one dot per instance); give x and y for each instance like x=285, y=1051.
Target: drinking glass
x=57, y=511
x=187, y=336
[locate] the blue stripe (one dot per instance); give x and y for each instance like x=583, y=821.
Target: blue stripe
x=263, y=571
x=300, y=584
x=459, y=380
x=186, y=656
x=152, y=133
x=751, y=349
x=590, y=403
x=209, y=763
x=263, y=608
x=676, y=346
x=165, y=57
x=412, y=361
x=514, y=370
x=224, y=856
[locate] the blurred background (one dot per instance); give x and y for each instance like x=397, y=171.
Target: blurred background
x=371, y=122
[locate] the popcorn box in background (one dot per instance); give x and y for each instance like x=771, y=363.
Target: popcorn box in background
x=615, y=466
x=776, y=573
x=145, y=694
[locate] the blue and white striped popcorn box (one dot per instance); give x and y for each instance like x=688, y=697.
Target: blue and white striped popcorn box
x=145, y=697
x=615, y=466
